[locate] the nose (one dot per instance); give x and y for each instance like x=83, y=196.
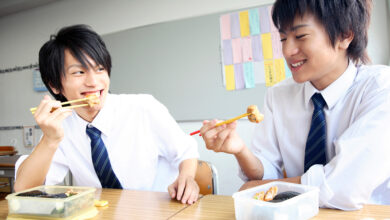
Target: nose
x=91, y=78
x=290, y=47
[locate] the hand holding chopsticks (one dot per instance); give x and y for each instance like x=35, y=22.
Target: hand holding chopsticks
x=91, y=100
x=253, y=115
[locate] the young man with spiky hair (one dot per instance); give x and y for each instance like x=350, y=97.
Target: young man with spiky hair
x=123, y=141
x=328, y=126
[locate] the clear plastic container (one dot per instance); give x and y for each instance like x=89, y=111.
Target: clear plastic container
x=51, y=207
x=303, y=206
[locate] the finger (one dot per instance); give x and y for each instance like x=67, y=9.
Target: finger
x=205, y=122
x=221, y=138
x=210, y=137
x=44, y=108
x=180, y=189
x=193, y=197
x=207, y=125
x=187, y=194
x=61, y=114
x=172, y=191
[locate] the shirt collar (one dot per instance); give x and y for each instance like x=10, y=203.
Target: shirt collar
x=103, y=119
x=335, y=90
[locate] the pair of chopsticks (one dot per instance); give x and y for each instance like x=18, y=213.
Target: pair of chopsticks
x=33, y=110
x=225, y=122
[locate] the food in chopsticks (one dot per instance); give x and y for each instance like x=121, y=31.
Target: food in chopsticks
x=253, y=115
x=90, y=99
x=93, y=99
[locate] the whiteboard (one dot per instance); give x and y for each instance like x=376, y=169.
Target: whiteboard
x=179, y=63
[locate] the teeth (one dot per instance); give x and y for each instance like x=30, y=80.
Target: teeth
x=297, y=64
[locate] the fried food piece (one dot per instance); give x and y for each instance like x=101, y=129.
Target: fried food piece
x=255, y=115
x=100, y=203
x=93, y=99
x=259, y=196
x=271, y=193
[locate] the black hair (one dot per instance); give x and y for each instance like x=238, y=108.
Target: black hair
x=339, y=18
x=81, y=41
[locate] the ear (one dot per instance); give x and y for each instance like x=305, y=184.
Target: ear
x=56, y=91
x=345, y=40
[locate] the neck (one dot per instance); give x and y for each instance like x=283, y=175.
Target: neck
x=328, y=79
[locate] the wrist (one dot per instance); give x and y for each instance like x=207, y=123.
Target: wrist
x=49, y=143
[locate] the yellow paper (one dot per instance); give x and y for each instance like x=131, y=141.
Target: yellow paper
x=244, y=23
x=267, y=46
x=279, y=70
x=270, y=78
x=229, y=77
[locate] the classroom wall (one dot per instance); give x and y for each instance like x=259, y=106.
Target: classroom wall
x=22, y=35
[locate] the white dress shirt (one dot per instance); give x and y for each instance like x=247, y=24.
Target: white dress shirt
x=358, y=136
x=144, y=143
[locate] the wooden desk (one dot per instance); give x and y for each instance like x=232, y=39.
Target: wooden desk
x=128, y=204
x=222, y=207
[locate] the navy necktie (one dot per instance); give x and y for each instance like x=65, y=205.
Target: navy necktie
x=316, y=140
x=100, y=160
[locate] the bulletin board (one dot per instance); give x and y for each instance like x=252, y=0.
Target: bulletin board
x=179, y=63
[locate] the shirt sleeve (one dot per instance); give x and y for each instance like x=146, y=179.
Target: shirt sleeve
x=57, y=171
x=173, y=143
x=362, y=156
x=264, y=144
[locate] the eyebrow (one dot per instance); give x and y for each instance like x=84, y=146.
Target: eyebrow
x=79, y=66
x=74, y=65
x=294, y=28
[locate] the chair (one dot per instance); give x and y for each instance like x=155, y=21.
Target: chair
x=207, y=178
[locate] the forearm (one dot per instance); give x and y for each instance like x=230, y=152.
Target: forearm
x=250, y=164
x=188, y=167
x=32, y=172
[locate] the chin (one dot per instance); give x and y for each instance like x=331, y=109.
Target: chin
x=298, y=79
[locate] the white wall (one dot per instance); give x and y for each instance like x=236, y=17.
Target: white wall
x=22, y=35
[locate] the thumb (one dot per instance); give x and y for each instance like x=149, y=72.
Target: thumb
x=172, y=190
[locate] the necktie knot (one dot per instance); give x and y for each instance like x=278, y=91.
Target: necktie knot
x=93, y=133
x=318, y=101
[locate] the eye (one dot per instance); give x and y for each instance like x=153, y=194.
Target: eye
x=300, y=36
x=78, y=72
x=100, y=69
x=283, y=39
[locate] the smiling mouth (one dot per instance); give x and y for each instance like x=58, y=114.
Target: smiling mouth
x=97, y=93
x=298, y=64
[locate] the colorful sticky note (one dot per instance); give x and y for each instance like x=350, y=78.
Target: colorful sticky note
x=247, y=49
x=235, y=25
x=259, y=72
x=249, y=76
x=280, y=73
x=227, y=52
x=244, y=23
x=225, y=27
x=229, y=77
x=254, y=22
x=277, y=50
x=239, y=76
x=269, y=73
x=287, y=69
x=257, y=49
x=267, y=46
x=237, y=50
x=273, y=28
x=264, y=20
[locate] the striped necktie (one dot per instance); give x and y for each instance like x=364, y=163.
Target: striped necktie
x=100, y=160
x=316, y=141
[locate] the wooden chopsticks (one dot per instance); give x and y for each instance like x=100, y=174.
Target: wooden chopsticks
x=33, y=110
